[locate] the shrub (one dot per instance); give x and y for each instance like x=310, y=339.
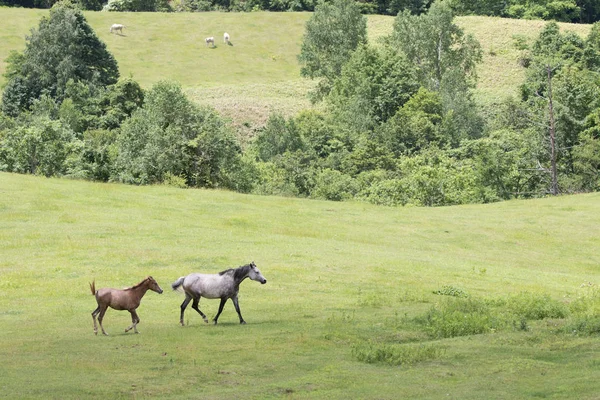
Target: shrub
x=170, y=134
x=334, y=185
x=37, y=145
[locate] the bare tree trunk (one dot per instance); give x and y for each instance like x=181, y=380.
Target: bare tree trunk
x=549, y=70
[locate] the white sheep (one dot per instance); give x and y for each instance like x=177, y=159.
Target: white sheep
x=226, y=37
x=117, y=28
x=210, y=40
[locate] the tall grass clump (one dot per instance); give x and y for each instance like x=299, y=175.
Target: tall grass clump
x=460, y=317
x=535, y=306
x=396, y=354
x=585, y=317
x=448, y=290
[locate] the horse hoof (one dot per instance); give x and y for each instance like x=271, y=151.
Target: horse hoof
x=242, y=322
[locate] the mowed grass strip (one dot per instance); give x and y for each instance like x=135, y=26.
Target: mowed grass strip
x=339, y=274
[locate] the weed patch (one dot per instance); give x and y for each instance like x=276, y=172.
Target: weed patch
x=584, y=326
x=460, y=317
x=451, y=291
x=396, y=354
x=532, y=306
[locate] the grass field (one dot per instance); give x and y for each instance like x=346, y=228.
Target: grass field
x=259, y=74
x=341, y=277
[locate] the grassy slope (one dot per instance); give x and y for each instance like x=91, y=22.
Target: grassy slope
x=339, y=274
x=259, y=74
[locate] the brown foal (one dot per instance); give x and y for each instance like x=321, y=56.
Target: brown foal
x=127, y=299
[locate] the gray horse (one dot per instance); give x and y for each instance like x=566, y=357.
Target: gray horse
x=224, y=285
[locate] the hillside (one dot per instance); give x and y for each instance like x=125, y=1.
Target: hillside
x=259, y=73
x=341, y=277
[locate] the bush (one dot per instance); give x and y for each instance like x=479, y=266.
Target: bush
x=272, y=181
x=172, y=135
x=278, y=137
x=388, y=192
x=334, y=185
x=96, y=156
x=37, y=145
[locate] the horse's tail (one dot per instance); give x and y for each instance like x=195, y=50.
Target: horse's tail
x=175, y=285
x=93, y=287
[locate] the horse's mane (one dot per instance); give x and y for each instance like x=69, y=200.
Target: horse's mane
x=138, y=285
x=238, y=272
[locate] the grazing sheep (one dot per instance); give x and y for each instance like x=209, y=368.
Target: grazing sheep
x=117, y=28
x=226, y=37
x=210, y=40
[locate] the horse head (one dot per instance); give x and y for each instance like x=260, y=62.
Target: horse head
x=255, y=274
x=153, y=285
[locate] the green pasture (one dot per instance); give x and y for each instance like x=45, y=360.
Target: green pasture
x=344, y=279
x=259, y=74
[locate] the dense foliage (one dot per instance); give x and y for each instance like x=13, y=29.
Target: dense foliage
x=333, y=32
x=397, y=124
x=63, y=49
x=578, y=11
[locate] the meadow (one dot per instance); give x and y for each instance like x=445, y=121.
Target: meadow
x=258, y=74
x=344, y=314
x=496, y=301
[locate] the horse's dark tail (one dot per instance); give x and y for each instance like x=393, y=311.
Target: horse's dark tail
x=175, y=285
x=93, y=287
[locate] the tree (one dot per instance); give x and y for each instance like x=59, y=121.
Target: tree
x=276, y=138
x=172, y=137
x=63, y=48
x=37, y=143
x=333, y=32
x=438, y=47
x=562, y=89
x=372, y=86
x=445, y=59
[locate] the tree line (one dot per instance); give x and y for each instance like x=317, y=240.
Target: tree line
x=398, y=123
x=577, y=11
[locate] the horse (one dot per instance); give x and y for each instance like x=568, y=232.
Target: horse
x=117, y=28
x=224, y=285
x=127, y=299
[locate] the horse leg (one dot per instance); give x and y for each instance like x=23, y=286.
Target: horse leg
x=237, y=308
x=185, y=303
x=96, y=312
x=195, y=307
x=103, y=309
x=134, y=321
x=223, y=301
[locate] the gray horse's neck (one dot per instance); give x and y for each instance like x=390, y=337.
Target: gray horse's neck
x=239, y=274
